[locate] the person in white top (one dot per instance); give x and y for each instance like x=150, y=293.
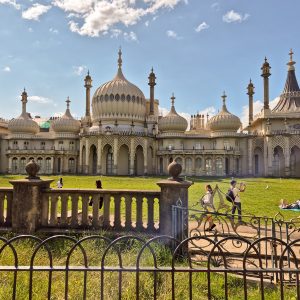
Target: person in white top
x=60, y=183
x=208, y=204
x=237, y=200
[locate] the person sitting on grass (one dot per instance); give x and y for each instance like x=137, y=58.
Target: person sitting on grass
x=284, y=204
x=207, y=204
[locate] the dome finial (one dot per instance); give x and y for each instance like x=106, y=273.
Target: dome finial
x=291, y=54
x=224, y=98
x=291, y=62
x=173, y=99
x=120, y=58
x=68, y=102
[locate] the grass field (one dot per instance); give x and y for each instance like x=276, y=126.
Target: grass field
x=262, y=195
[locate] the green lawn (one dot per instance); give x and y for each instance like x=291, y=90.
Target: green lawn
x=261, y=197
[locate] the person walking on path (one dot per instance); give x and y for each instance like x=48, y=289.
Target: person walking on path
x=236, y=201
x=208, y=204
x=60, y=183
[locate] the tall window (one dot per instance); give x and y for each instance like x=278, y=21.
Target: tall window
x=219, y=166
x=71, y=165
x=188, y=166
x=40, y=163
x=208, y=166
x=14, y=165
x=109, y=162
x=48, y=165
x=22, y=164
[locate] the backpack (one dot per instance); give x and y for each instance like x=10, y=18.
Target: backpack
x=230, y=196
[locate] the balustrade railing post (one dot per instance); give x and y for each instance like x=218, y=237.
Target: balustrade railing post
x=27, y=200
x=173, y=190
x=128, y=215
x=150, y=225
x=139, y=213
x=106, y=211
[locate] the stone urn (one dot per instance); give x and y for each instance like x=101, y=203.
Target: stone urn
x=174, y=170
x=32, y=168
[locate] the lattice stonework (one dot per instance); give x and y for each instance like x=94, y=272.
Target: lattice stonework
x=124, y=140
x=295, y=141
x=93, y=141
x=278, y=141
x=258, y=142
x=107, y=140
x=138, y=141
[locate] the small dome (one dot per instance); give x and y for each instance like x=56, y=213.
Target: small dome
x=224, y=120
x=172, y=122
x=66, y=123
x=24, y=123
x=118, y=98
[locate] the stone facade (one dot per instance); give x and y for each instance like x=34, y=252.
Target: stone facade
x=122, y=133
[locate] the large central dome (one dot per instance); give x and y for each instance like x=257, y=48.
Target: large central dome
x=118, y=99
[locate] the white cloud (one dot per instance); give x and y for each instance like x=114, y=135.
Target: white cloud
x=131, y=36
x=147, y=23
x=215, y=6
x=34, y=12
x=201, y=27
x=257, y=107
x=78, y=70
x=58, y=114
x=30, y=29
x=6, y=69
x=233, y=17
x=172, y=34
x=96, y=17
x=40, y=99
x=115, y=33
x=11, y=2
x=52, y=30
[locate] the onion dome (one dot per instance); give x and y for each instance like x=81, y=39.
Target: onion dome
x=66, y=123
x=172, y=122
x=224, y=120
x=24, y=123
x=119, y=99
x=290, y=98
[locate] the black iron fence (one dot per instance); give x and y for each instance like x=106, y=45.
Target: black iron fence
x=133, y=267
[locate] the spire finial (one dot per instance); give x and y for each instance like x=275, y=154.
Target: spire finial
x=88, y=72
x=291, y=55
x=224, y=97
x=152, y=70
x=173, y=99
x=120, y=58
x=291, y=62
x=68, y=102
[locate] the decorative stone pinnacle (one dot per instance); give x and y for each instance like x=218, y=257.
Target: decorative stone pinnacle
x=32, y=168
x=120, y=58
x=152, y=70
x=68, y=102
x=174, y=170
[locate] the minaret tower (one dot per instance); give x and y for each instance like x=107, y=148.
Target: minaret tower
x=152, y=84
x=24, y=102
x=88, y=84
x=250, y=93
x=266, y=74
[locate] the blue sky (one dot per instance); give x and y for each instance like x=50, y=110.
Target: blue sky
x=198, y=48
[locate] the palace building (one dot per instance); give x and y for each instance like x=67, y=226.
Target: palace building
x=122, y=133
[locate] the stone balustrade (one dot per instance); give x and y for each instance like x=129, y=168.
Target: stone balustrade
x=6, y=196
x=122, y=209
x=32, y=205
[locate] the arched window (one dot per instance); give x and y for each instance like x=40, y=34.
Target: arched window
x=48, y=165
x=188, y=166
x=22, y=164
x=71, y=165
x=219, y=166
x=109, y=162
x=208, y=166
x=14, y=165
